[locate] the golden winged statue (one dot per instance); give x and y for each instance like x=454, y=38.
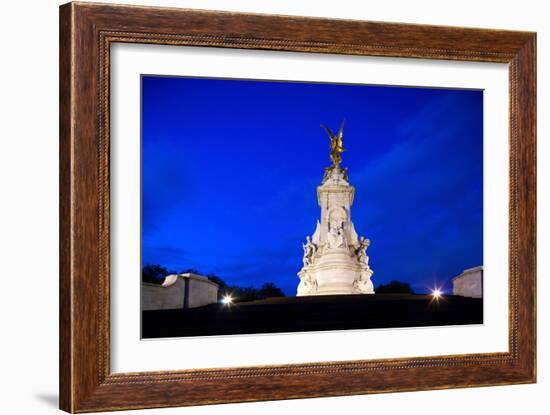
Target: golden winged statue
x=336, y=144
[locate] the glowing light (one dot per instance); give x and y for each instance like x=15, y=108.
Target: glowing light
x=227, y=300
x=437, y=293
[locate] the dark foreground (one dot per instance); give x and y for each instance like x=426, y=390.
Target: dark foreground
x=292, y=314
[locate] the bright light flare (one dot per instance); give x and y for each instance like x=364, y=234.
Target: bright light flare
x=437, y=293
x=227, y=300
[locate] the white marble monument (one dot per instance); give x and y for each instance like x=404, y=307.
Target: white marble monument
x=335, y=258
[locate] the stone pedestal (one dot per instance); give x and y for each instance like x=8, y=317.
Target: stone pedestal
x=335, y=259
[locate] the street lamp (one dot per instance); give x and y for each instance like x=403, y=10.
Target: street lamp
x=437, y=293
x=227, y=299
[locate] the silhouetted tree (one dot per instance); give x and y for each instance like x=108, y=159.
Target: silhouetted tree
x=153, y=273
x=223, y=288
x=394, y=287
x=246, y=293
x=217, y=280
x=190, y=271
x=242, y=294
x=270, y=290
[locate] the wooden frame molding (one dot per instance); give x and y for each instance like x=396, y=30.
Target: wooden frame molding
x=86, y=33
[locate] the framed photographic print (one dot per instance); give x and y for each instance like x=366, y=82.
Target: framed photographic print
x=254, y=207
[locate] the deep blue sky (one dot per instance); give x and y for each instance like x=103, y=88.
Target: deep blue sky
x=230, y=169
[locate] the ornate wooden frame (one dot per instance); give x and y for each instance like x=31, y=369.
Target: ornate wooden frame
x=86, y=33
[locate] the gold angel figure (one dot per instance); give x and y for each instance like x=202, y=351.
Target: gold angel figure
x=336, y=144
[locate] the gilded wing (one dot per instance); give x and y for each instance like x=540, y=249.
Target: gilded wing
x=341, y=130
x=329, y=132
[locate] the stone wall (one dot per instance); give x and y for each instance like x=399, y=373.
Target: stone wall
x=469, y=283
x=202, y=292
x=179, y=291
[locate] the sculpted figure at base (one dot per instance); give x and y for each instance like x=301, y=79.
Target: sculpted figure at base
x=308, y=285
x=364, y=284
x=335, y=238
x=361, y=251
x=335, y=260
x=309, y=251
